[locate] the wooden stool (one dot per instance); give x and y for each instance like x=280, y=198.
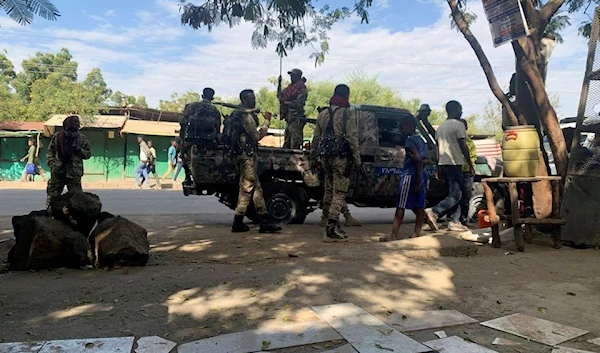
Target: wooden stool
x=515, y=216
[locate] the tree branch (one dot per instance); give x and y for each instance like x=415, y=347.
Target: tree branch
x=550, y=10
x=463, y=26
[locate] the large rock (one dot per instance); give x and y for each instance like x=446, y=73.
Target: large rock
x=80, y=210
x=118, y=241
x=76, y=250
x=42, y=244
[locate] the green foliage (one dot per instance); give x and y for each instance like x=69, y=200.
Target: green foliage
x=288, y=23
x=22, y=11
x=118, y=99
x=364, y=89
x=177, y=103
x=48, y=85
x=95, y=86
x=41, y=66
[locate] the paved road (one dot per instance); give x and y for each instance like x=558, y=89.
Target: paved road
x=164, y=202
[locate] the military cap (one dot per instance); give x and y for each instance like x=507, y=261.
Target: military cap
x=295, y=72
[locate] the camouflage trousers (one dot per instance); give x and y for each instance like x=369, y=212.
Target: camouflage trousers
x=250, y=188
x=336, y=186
x=294, y=133
x=57, y=183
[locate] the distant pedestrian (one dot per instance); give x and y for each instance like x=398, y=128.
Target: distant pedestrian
x=171, y=159
x=452, y=153
x=66, y=152
x=151, y=165
x=179, y=166
x=33, y=162
x=413, y=181
x=141, y=169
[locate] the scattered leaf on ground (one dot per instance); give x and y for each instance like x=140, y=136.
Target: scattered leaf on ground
x=542, y=310
x=265, y=345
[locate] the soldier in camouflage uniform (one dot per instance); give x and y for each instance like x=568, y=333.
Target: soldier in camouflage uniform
x=200, y=125
x=246, y=146
x=350, y=220
x=292, y=100
x=66, y=152
x=336, y=136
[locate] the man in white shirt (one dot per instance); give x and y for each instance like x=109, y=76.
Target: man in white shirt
x=452, y=153
x=141, y=167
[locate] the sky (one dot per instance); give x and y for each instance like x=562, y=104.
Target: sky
x=142, y=49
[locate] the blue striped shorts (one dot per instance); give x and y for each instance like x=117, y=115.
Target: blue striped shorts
x=407, y=199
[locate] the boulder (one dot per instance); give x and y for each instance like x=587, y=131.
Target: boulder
x=118, y=241
x=80, y=210
x=39, y=244
x=17, y=221
x=76, y=250
x=104, y=216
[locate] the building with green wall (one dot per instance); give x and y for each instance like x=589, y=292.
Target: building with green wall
x=115, y=151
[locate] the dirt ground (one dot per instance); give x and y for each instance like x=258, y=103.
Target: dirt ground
x=203, y=281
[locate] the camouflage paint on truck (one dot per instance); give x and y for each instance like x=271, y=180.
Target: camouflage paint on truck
x=292, y=189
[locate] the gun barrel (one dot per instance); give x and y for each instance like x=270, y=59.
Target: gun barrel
x=239, y=107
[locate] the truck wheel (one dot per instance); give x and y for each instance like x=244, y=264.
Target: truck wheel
x=285, y=203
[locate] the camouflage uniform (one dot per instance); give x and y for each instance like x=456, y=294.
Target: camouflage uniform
x=70, y=174
x=247, y=164
x=336, y=169
x=295, y=119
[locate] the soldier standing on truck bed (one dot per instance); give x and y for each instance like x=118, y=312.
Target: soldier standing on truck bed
x=240, y=142
x=200, y=126
x=336, y=138
x=292, y=100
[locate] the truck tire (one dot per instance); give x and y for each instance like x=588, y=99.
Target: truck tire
x=285, y=203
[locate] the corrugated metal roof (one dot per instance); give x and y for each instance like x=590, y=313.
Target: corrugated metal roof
x=97, y=121
x=21, y=126
x=151, y=128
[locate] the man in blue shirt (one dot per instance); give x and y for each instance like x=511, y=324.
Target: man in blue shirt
x=413, y=182
x=172, y=159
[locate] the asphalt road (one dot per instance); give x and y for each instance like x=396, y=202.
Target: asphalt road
x=165, y=202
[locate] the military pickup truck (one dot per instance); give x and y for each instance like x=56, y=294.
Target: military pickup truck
x=292, y=190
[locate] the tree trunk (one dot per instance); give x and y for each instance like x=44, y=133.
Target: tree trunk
x=463, y=26
x=526, y=56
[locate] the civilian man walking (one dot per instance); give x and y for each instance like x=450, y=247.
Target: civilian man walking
x=452, y=153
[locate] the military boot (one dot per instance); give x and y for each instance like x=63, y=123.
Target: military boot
x=351, y=221
x=333, y=233
x=238, y=225
x=267, y=225
x=324, y=218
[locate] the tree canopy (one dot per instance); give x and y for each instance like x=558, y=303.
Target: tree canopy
x=288, y=23
x=48, y=85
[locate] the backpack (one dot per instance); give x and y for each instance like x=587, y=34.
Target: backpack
x=202, y=123
x=332, y=145
x=232, y=130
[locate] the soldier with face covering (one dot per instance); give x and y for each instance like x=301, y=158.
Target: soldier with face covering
x=66, y=152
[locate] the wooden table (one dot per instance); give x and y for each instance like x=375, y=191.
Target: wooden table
x=515, y=217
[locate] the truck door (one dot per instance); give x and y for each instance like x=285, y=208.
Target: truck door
x=389, y=157
x=367, y=140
